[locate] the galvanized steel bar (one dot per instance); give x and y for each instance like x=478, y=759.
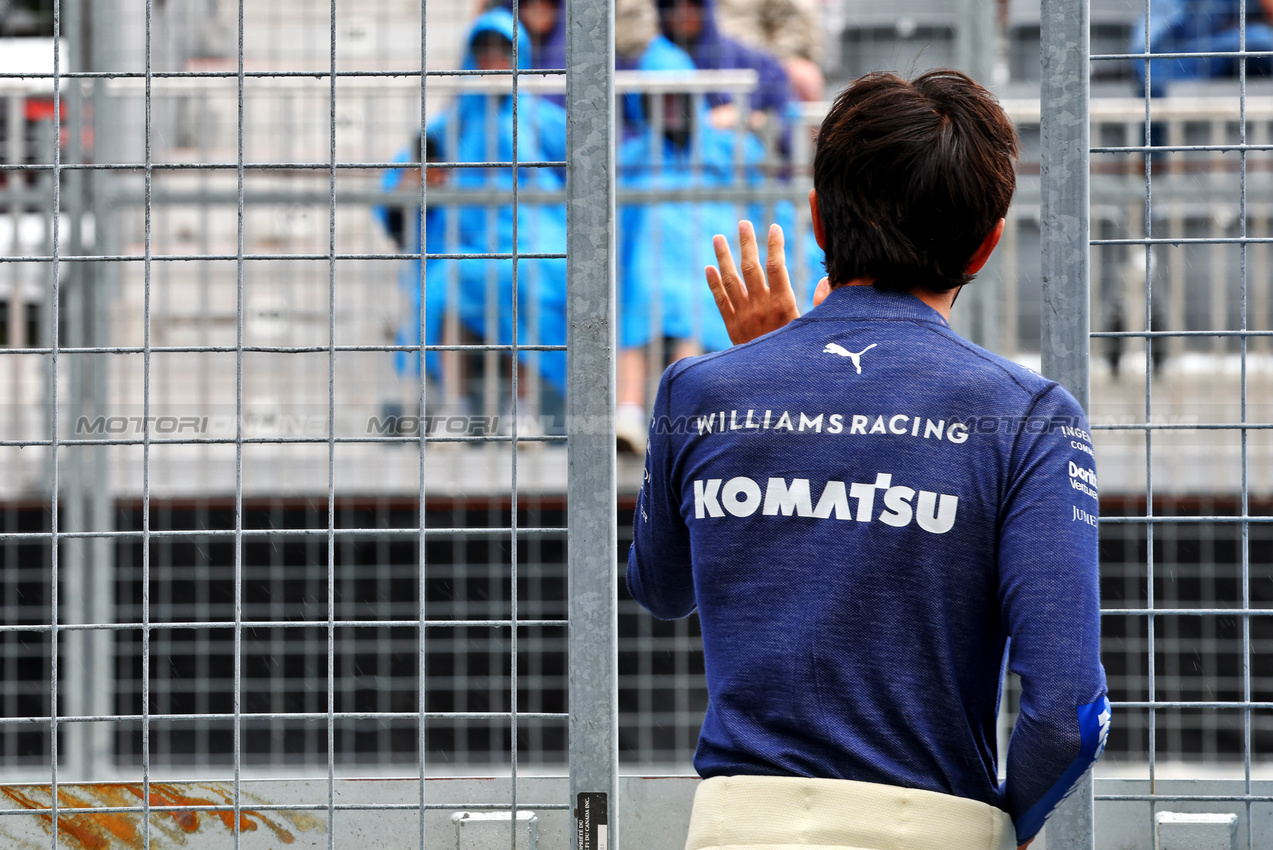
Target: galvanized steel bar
x=296, y=715
x=238, y=446
x=515, y=391
x=590, y=406
x=1150, y=601
x=331, y=445
x=55, y=214
x=422, y=564
x=87, y=685
x=1065, y=194
x=145, y=518
x=1065, y=231
x=1210, y=54
x=267, y=74
x=350, y=624
x=1245, y=546
x=274, y=532
x=1073, y=824
x=320, y=349
x=316, y=807
x=324, y=257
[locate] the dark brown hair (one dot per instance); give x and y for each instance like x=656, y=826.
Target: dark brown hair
x=911, y=178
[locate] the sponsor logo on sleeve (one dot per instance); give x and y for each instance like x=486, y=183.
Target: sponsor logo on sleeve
x=1079, y=439
x=1080, y=515
x=1083, y=479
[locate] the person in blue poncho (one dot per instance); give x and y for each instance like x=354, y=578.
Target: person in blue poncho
x=478, y=127
x=1200, y=26
x=665, y=245
x=691, y=25
x=402, y=223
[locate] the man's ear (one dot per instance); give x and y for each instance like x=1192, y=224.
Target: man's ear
x=820, y=234
x=985, y=249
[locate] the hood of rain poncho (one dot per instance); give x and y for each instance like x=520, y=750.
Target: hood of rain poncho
x=710, y=37
x=468, y=124
x=479, y=128
x=551, y=53
x=498, y=21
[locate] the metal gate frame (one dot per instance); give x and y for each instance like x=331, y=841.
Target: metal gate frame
x=591, y=493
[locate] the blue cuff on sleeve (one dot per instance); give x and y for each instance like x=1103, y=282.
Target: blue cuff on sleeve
x=1094, y=728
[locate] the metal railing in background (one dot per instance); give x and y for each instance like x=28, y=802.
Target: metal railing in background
x=195, y=209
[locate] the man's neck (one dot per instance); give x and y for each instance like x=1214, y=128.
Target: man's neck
x=939, y=301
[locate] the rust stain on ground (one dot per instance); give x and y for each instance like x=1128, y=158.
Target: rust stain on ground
x=111, y=830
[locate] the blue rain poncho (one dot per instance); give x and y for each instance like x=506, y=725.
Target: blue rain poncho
x=664, y=246
x=479, y=128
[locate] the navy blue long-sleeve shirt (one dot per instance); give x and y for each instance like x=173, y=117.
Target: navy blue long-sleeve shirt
x=871, y=515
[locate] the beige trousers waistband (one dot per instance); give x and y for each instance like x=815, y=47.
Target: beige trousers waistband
x=782, y=813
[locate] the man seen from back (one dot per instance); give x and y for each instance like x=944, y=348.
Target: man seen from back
x=873, y=516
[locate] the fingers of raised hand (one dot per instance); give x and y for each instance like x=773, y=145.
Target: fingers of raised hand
x=776, y=261
x=721, y=296
x=749, y=252
x=731, y=283
x=759, y=300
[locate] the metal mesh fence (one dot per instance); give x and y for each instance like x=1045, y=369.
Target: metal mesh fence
x=1185, y=611
x=204, y=578
x=249, y=571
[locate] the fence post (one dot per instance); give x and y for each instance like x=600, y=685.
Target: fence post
x=1065, y=190
x=590, y=404
x=1065, y=227
x=88, y=688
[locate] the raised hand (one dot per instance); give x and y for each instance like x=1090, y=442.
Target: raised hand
x=759, y=300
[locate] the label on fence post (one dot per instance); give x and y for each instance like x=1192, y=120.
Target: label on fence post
x=592, y=819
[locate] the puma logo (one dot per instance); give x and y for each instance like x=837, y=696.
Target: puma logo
x=855, y=356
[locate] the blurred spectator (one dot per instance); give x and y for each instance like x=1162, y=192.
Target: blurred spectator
x=691, y=25
x=479, y=128
x=1200, y=26
x=664, y=246
x=791, y=30
x=402, y=223
x=636, y=24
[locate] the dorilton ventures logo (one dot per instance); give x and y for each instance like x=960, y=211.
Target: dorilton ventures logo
x=1083, y=479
